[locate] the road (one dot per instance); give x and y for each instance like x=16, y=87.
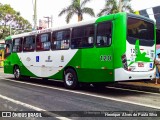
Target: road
x=51, y=96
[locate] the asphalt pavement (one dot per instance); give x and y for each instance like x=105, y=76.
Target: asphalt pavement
x=148, y=86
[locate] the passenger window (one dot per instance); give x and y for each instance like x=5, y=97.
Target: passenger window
x=60, y=39
x=82, y=37
x=43, y=42
x=104, y=34
x=29, y=43
x=17, y=45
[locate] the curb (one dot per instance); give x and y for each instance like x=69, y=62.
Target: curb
x=136, y=87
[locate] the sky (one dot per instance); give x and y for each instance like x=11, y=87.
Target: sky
x=50, y=8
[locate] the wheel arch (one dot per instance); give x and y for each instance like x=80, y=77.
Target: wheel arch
x=69, y=67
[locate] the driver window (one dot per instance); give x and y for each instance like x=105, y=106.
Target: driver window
x=8, y=48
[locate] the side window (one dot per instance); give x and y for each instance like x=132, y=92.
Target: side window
x=29, y=43
x=82, y=37
x=60, y=39
x=158, y=36
x=88, y=36
x=17, y=45
x=8, y=47
x=43, y=42
x=76, y=39
x=103, y=37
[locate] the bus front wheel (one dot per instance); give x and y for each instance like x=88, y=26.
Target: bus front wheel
x=70, y=79
x=17, y=74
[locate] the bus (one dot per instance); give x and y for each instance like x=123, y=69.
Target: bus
x=112, y=48
x=157, y=41
x=1, y=54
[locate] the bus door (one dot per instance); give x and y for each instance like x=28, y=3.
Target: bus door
x=99, y=59
x=103, y=43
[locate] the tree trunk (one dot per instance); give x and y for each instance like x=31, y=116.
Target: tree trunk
x=80, y=17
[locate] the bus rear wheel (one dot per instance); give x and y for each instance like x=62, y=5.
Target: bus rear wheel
x=70, y=79
x=17, y=74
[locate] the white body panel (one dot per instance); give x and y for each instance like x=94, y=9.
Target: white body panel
x=130, y=53
x=46, y=63
x=122, y=75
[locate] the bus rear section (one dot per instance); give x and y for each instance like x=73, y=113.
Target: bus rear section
x=138, y=60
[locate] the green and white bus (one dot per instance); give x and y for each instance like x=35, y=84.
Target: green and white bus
x=111, y=48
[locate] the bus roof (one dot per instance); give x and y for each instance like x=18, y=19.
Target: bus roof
x=81, y=23
x=141, y=17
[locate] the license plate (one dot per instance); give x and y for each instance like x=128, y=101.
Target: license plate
x=140, y=64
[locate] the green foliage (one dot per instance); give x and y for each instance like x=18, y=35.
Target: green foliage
x=114, y=6
x=9, y=18
x=77, y=7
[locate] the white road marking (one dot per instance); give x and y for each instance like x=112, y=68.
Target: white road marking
x=88, y=94
x=134, y=90
x=33, y=107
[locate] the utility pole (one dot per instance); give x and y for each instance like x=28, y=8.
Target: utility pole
x=10, y=29
x=49, y=19
x=35, y=15
x=120, y=5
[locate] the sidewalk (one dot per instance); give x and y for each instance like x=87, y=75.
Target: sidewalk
x=148, y=86
x=1, y=69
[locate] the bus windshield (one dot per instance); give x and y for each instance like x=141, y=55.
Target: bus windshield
x=140, y=29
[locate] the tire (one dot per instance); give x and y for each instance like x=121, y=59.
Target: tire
x=70, y=79
x=17, y=73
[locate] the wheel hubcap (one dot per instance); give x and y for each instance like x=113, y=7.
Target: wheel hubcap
x=69, y=79
x=16, y=73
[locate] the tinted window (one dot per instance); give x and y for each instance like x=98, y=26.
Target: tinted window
x=140, y=29
x=60, y=39
x=17, y=45
x=82, y=37
x=158, y=36
x=104, y=34
x=29, y=43
x=8, y=47
x=43, y=42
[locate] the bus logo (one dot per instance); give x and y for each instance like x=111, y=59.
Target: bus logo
x=151, y=65
x=62, y=58
x=49, y=59
x=28, y=59
x=37, y=58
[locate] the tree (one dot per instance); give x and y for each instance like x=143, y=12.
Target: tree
x=114, y=6
x=77, y=7
x=9, y=18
